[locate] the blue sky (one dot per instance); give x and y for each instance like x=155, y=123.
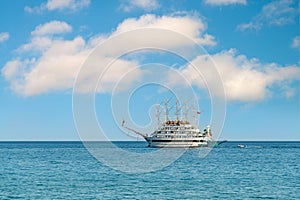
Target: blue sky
x=254, y=45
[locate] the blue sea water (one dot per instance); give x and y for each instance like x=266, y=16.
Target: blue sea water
x=66, y=170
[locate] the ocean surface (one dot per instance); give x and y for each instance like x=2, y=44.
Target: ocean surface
x=66, y=170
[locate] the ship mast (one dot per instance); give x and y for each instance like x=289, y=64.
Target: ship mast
x=195, y=114
x=158, y=112
x=167, y=110
x=177, y=110
x=185, y=111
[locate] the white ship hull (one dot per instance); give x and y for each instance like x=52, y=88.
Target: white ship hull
x=177, y=143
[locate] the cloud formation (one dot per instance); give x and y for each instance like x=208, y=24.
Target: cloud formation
x=186, y=24
x=225, y=2
x=243, y=79
x=276, y=13
x=50, y=63
x=4, y=36
x=50, y=28
x=52, y=5
x=296, y=42
x=147, y=5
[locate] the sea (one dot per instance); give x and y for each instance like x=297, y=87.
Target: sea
x=233, y=170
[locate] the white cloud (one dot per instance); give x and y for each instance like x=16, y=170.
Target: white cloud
x=50, y=28
x=225, y=2
x=4, y=36
x=58, y=62
x=55, y=64
x=280, y=12
x=51, y=5
x=148, y=5
x=35, y=9
x=50, y=63
x=276, y=13
x=12, y=69
x=67, y=4
x=243, y=79
x=296, y=42
x=189, y=25
x=37, y=43
x=57, y=68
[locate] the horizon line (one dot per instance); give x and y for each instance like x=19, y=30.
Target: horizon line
x=141, y=140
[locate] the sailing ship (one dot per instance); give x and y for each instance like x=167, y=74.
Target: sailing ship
x=178, y=133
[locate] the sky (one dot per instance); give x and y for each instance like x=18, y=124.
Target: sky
x=52, y=51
